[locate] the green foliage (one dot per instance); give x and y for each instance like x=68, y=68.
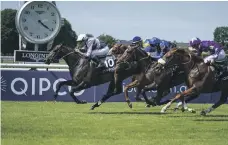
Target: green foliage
x=9, y=34
x=221, y=36
x=10, y=37
x=109, y=40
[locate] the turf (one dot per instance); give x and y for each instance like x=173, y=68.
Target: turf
x=46, y=123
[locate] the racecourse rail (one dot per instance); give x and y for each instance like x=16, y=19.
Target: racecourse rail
x=11, y=65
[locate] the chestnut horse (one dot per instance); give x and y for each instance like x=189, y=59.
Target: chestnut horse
x=200, y=77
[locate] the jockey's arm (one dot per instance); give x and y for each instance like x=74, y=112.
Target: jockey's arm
x=89, y=44
x=216, y=53
x=159, y=55
x=199, y=52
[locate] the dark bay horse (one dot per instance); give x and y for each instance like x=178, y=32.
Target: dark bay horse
x=144, y=62
x=78, y=68
x=147, y=78
x=200, y=77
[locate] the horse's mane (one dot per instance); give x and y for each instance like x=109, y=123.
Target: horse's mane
x=187, y=51
x=138, y=48
x=119, y=49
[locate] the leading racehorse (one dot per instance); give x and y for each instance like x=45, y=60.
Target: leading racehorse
x=79, y=66
x=161, y=81
x=200, y=77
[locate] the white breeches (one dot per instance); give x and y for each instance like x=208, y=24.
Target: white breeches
x=216, y=57
x=100, y=52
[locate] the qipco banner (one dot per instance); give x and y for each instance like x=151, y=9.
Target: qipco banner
x=38, y=86
x=41, y=86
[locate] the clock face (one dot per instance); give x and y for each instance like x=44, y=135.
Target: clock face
x=39, y=21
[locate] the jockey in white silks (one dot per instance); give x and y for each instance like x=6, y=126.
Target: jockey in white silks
x=92, y=49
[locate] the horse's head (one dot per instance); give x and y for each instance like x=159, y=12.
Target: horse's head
x=118, y=49
x=58, y=52
x=177, y=57
x=132, y=53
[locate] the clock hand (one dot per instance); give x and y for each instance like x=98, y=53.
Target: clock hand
x=39, y=21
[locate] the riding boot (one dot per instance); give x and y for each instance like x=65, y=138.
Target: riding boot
x=218, y=69
x=100, y=64
x=90, y=73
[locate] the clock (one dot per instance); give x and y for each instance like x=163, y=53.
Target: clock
x=38, y=21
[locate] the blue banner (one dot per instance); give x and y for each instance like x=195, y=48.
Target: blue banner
x=41, y=86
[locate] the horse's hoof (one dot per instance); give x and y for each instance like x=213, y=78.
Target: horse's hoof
x=81, y=102
x=147, y=105
x=182, y=109
x=139, y=99
x=92, y=108
x=191, y=110
x=203, y=113
x=84, y=102
x=163, y=110
x=130, y=105
x=175, y=109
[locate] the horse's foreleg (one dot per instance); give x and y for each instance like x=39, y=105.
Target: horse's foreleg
x=190, y=98
x=113, y=89
x=148, y=88
x=221, y=101
x=185, y=93
x=79, y=87
x=138, y=92
x=129, y=86
x=69, y=83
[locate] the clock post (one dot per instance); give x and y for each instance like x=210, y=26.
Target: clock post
x=38, y=23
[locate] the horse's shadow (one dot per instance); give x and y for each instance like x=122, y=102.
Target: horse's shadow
x=211, y=120
x=215, y=116
x=127, y=113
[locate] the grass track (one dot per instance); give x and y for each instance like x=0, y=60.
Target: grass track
x=46, y=123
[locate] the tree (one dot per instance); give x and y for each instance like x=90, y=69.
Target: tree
x=9, y=34
x=10, y=37
x=109, y=40
x=221, y=35
x=66, y=36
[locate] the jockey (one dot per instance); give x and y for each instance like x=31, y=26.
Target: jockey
x=216, y=51
x=137, y=41
x=92, y=47
x=161, y=47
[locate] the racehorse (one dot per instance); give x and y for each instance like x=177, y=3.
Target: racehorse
x=200, y=77
x=78, y=68
x=160, y=81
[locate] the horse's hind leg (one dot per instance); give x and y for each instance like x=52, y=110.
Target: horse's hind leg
x=138, y=92
x=111, y=91
x=190, y=98
x=69, y=83
x=148, y=88
x=190, y=91
x=129, y=86
x=222, y=100
x=79, y=87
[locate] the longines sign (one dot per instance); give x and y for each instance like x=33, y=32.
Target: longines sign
x=30, y=56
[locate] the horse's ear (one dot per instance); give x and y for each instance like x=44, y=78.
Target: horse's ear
x=62, y=43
